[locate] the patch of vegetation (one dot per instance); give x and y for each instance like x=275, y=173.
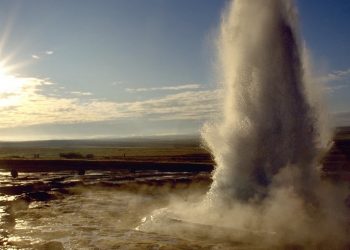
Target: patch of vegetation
x=71, y=155
x=89, y=156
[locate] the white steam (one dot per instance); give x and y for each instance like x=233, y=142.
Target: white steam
x=266, y=185
x=268, y=122
x=271, y=131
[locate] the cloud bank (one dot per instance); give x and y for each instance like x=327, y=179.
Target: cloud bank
x=28, y=103
x=25, y=101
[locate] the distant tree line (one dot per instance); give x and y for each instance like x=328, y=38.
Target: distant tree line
x=73, y=155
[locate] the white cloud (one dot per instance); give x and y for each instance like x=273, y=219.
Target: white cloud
x=30, y=104
x=41, y=55
x=336, y=80
x=336, y=75
x=81, y=93
x=49, y=52
x=175, y=88
x=333, y=88
x=182, y=106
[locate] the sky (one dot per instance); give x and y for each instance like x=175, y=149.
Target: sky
x=120, y=68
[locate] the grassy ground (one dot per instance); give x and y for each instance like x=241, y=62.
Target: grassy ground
x=142, y=153
x=335, y=162
x=134, y=158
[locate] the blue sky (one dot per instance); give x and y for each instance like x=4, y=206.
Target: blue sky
x=92, y=68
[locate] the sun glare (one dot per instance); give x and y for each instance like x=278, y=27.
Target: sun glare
x=10, y=88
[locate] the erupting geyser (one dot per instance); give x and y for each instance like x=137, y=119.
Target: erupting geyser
x=268, y=137
x=266, y=185
x=268, y=122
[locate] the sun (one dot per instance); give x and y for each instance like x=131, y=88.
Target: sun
x=8, y=82
x=10, y=88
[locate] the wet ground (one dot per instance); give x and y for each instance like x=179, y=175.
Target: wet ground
x=99, y=210
x=107, y=210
